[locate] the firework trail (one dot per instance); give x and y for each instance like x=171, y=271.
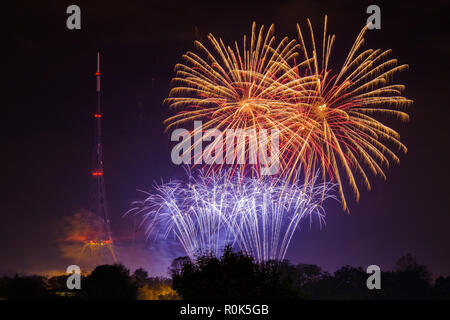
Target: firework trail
x=259, y=216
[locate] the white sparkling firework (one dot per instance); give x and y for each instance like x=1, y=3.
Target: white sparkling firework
x=258, y=216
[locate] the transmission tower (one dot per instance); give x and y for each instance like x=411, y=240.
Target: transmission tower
x=103, y=238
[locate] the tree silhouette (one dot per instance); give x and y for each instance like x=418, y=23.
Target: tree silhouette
x=24, y=288
x=111, y=282
x=140, y=277
x=442, y=288
x=410, y=280
x=232, y=276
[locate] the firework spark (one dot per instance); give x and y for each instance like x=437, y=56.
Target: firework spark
x=259, y=216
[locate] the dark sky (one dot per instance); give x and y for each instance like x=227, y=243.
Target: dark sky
x=48, y=97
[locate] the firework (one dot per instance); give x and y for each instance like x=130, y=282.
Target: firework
x=257, y=215
x=236, y=88
x=325, y=118
x=335, y=123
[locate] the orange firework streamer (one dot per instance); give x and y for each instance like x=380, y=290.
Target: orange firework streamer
x=234, y=88
x=338, y=123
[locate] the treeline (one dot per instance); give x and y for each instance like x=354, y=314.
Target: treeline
x=237, y=276
x=104, y=282
x=234, y=276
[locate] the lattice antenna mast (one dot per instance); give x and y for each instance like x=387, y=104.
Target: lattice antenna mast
x=98, y=174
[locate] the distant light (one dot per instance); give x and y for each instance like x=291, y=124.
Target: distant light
x=97, y=115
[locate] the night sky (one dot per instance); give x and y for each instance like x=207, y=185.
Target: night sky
x=48, y=97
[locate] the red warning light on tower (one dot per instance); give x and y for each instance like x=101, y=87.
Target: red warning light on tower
x=97, y=173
